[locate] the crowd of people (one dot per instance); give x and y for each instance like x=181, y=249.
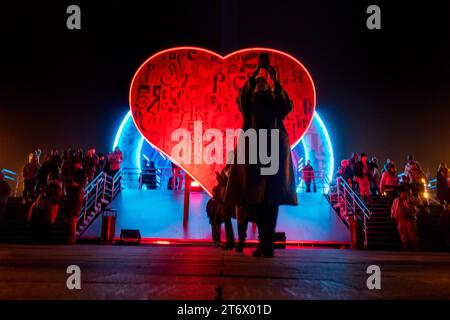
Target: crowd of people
x=61, y=176
x=407, y=191
x=367, y=179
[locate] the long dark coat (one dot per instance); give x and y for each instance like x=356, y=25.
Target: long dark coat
x=246, y=186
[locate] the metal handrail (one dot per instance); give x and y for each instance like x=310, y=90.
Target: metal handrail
x=97, y=191
x=132, y=177
x=103, y=189
x=90, y=201
x=356, y=199
x=318, y=176
x=328, y=183
x=351, y=205
x=158, y=177
x=432, y=184
x=13, y=177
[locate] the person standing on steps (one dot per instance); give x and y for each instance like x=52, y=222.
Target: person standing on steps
x=404, y=210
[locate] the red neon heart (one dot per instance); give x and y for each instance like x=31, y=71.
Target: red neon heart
x=178, y=86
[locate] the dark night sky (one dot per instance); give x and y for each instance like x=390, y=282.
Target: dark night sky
x=385, y=92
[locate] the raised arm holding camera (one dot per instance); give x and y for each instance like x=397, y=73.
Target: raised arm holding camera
x=264, y=104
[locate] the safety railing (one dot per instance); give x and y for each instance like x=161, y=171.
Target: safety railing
x=319, y=181
x=13, y=178
x=432, y=184
x=160, y=177
x=131, y=178
x=113, y=185
x=134, y=178
x=152, y=176
x=93, y=191
x=351, y=204
x=102, y=190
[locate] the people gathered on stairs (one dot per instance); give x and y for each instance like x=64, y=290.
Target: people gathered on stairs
x=366, y=180
x=61, y=177
x=407, y=192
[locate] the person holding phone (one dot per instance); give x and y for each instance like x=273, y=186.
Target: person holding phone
x=264, y=104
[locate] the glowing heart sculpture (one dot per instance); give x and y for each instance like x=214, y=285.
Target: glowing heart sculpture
x=178, y=87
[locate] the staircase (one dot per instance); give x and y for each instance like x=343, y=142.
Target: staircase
x=98, y=194
x=381, y=230
x=15, y=229
x=383, y=234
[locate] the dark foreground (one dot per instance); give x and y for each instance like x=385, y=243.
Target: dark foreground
x=149, y=272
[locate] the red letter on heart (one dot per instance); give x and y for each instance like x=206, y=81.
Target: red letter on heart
x=177, y=87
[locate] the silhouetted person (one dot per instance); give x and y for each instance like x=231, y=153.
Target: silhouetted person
x=376, y=176
x=410, y=160
x=244, y=215
x=225, y=209
x=30, y=176
x=345, y=173
x=263, y=107
x=354, y=158
x=177, y=178
x=115, y=159
x=389, y=183
x=308, y=176
x=52, y=196
x=44, y=170
x=151, y=178
x=213, y=212
x=442, y=184
x=387, y=165
x=404, y=210
x=74, y=203
x=417, y=180
x=79, y=175
x=5, y=191
x=90, y=164
x=363, y=176
x=67, y=170
x=101, y=163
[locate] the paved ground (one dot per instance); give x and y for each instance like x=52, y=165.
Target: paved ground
x=312, y=220
x=149, y=272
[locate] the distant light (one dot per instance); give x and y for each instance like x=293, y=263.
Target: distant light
x=162, y=242
x=195, y=184
x=119, y=132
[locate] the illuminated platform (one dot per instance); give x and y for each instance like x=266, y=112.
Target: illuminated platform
x=158, y=215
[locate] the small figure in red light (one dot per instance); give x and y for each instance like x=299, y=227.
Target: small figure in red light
x=115, y=159
x=308, y=176
x=404, y=210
